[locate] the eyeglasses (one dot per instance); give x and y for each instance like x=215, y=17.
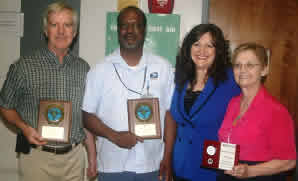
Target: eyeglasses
x=248, y=66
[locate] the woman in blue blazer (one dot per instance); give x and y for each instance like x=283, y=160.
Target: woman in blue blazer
x=204, y=87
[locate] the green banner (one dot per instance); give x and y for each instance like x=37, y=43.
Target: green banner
x=162, y=34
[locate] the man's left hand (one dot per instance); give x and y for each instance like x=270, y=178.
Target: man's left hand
x=92, y=170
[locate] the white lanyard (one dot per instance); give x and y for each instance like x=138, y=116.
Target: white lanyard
x=131, y=90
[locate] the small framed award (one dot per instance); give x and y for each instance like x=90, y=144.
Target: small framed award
x=54, y=120
x=220, y=155
x=144, y=117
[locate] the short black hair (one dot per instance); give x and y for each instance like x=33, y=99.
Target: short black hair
x=132, y=8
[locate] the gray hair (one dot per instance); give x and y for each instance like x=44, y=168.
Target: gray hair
x=58, y=7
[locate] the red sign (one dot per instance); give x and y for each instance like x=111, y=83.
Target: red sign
x=161, y=6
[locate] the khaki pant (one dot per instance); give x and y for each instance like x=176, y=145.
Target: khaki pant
x=44, y=166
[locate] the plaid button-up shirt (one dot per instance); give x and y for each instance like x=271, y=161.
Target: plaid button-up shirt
x=42, y=77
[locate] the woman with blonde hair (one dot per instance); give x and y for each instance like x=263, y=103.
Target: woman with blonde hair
x=257, y=122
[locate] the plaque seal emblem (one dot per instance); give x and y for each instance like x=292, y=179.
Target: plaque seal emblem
x=54, y=113
x=143, y=112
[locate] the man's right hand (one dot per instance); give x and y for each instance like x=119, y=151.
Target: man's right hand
x=126, y=139
x=123, y=139
x=32, y=136
x=13, y=117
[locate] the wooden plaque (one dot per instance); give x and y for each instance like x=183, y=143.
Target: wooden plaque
x=144, y=117
x=54, y=120
x=220, y=155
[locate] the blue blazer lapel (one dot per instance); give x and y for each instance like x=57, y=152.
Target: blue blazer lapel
x=208, y=89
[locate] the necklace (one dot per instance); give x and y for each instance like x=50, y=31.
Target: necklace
x=235, y=120
x=243, y=108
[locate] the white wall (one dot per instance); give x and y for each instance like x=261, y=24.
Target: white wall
x=9, y=52
x=93, y=23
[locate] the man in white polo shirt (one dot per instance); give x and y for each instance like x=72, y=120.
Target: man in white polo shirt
x=128, y=73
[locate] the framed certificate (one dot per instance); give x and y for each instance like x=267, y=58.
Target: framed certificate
x=220, y=155
x=144, y=117
x=54, y=120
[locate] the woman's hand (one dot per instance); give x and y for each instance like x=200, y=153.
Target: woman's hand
x=262, y=169
x=239, y=171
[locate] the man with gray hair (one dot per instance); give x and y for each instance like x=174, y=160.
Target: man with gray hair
x=55, y=74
